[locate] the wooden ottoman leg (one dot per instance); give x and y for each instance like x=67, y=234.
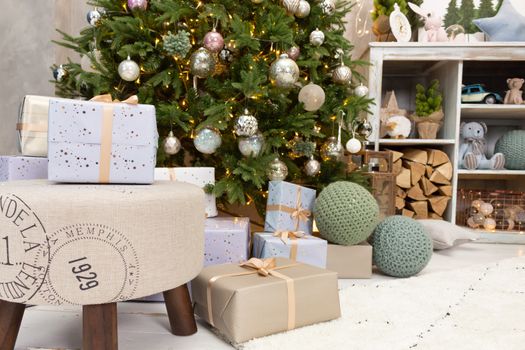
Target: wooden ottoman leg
x=11, y=315
x=180, y=312
x=99, y=327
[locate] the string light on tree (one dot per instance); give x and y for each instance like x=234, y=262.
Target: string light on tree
x=128, y=70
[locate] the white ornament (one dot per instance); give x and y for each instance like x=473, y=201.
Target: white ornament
x=317, y=37
x=312, y=96
x=476, y=203
x=128, y=70
x=489, y=224
x=353, y=145
x=328, y=6
x=486, y=209
x=171, y=144
x=303, y=10
x=361, y=91
x=284, y=72
x=251, y=146
x=207, y=140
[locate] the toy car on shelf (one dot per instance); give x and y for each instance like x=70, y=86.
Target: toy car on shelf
x=476, y=93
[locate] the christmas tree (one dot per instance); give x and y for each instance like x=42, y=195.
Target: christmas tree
x=468, y=13
x=486, y=9
x=259, y=90
x=452, y=16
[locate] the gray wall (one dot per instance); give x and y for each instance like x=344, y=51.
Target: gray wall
x=26, y=53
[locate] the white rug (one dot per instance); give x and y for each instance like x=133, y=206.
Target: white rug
x=479, y=308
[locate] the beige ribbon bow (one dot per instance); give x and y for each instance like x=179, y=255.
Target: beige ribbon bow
x=292, y=236
x=107, y=132
x=262, y=266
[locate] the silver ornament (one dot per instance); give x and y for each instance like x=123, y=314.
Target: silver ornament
x=246, y=124
x=202, y=64
x=312, y=96
x=328, y=6
x=312, y=167
x=342, y=75
x=332, y=149
x=277, y=170
x=128, y=70
x=294, y=52
x=353, y=145
x=93, y=17
x=317, y=37
x=303, y=9
x=251, y=146
x=284, y=72
x=291, y=6
x=171, y=144
x=226, y=56
x=59, y=73
x=365, y=129
x=361, y=91
x=207, y=140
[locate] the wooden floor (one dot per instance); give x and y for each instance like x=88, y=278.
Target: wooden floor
x=145, y=326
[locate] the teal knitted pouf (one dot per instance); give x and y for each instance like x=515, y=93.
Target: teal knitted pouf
x=402, y=248
x=345, y=213
x=512, y=145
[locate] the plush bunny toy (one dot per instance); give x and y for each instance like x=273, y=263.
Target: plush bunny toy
x=473, y=147
x=433, y=24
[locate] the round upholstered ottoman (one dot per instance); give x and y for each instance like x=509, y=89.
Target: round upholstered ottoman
x=95, y=245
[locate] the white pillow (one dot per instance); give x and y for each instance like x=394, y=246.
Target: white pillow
x=446, y=235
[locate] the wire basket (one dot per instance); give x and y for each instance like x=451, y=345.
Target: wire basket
x=498, y=210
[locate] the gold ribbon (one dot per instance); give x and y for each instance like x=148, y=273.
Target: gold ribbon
x=106, y=132
x=292, y=236
x=36, y=127
x=264, y=268
x=298, y=213
x=172, y=175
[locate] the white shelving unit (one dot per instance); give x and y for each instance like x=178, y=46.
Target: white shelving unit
x=400, y=66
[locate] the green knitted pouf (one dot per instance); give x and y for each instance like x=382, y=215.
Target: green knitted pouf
x=402, y=248
x=345, y=213
x=512, y=145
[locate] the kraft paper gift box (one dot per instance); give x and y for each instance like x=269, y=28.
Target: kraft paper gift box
x=22, y=168
x=32, y=126
x=226, y=240
x=354, y=261
x=199, y=176
x=245, y=303
x=302, y=248
x=101, y=142
x=289, y=207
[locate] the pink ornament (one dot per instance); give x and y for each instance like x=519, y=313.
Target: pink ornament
x=293, y=52
x=213, y=41
x=137, y=4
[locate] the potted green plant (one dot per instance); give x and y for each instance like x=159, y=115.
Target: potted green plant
x=380, y=16
x=429, y=110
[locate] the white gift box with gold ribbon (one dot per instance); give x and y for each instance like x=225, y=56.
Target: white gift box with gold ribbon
x=32, y=126
x=199, y=176
x=100, y=141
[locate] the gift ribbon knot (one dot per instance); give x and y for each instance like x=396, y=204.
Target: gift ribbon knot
x=292, y=237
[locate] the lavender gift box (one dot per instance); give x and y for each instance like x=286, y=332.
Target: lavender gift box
x=226, y=240
x=309, y=250
x=22, y=168
x=101, y=142
x=289, y=207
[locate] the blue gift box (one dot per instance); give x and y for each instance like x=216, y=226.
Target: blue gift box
x=289, y=207
x=308, y=250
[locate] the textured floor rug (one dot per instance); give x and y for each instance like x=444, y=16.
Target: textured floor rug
x=479, y=308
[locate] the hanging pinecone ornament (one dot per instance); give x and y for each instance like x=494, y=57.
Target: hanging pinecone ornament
x=342, y=75
x=284, y=72
x=213, y=41
x=128, y=70
x=202, y=63
x=246, y=124
x=277, y=170
x=303, y=10
x=171, y=144
x=328, y=6
x=177, y=45
x=317, y=37
x=291, y=6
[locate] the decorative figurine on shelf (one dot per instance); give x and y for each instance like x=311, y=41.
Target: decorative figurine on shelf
x=434, y=30
x=398, y=127
x=400, y=25
x=472, y=152
x=514, y=95
x=389, y=109
x=429, y=110
x=476, y=93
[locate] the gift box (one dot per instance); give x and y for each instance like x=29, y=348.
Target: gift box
x=226, y=240
x=289, y=207
x=354, y=261
x=32, y=126
x=264, y=297
x=22, y=168
x=101, y=142
x=297, y=247
x=194, y=175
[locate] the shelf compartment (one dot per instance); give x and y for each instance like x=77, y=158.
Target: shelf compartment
x=489, y=174
x=506, y=237
x=416, y=142
x=484, y=111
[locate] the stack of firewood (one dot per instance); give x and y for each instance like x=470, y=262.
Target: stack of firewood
x=423, y=187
